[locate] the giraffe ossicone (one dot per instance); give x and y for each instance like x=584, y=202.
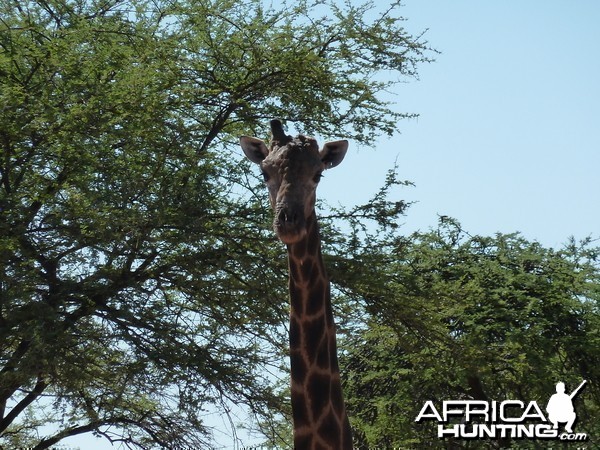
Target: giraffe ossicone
x=292, y=168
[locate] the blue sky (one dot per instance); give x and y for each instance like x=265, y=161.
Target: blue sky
x=508, y=137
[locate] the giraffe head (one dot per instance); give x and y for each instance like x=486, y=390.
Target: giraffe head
x=292, y=168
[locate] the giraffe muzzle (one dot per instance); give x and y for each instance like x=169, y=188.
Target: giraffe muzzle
x=289, y=224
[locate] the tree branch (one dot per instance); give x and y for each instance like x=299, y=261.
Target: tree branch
x=92, y=426
x=39, y=387
x=7, y=391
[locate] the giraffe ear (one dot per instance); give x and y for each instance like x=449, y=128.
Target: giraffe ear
x=254, y=149
x=333, y=153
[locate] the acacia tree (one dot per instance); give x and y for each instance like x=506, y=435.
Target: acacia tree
x=454, y=316
x=139, y=283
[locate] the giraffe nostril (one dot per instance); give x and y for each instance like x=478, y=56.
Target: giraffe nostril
x=287, y=217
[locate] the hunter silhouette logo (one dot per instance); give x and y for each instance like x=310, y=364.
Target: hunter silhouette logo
x=560, y=407
x=513, y=419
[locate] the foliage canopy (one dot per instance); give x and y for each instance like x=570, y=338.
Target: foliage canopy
x=139, y=284
x=460, y=317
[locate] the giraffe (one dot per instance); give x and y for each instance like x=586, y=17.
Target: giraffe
x=292, y=168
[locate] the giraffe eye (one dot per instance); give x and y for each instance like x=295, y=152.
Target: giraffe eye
x=318, y=177
x=266, y=176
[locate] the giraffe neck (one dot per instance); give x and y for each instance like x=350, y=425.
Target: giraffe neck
x=318, y=410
